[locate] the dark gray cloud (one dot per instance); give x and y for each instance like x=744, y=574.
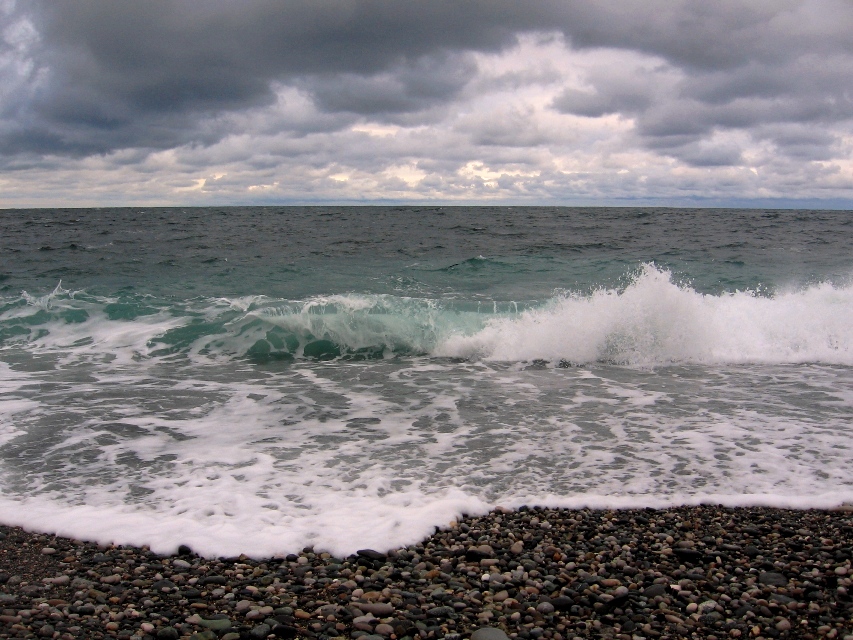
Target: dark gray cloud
x=96, y=76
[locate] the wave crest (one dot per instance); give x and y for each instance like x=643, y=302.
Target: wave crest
x=651, y=321
x=656, y=321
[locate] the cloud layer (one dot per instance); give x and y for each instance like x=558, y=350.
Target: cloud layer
x=165, y=102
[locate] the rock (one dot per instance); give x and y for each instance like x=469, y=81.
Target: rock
x=689, y=555
x=285, y=631
x=545, y=608
x=783, y=625
x=562, y=603
x=181, y=564
x=772, y=578
x=168, y=633
x=159, y=585
x=379, y=609
x=260, y=631
x=440, y=612
x=707, y=605
x=370, y=554
x=207, y=634
x=655, y=590
x=215, y=624
x=489, y=633
x=517, y=547
x=48, y=551
x=384, y=629
x=46, y=631
x=81, y=583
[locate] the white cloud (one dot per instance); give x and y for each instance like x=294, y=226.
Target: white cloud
x=541, y=121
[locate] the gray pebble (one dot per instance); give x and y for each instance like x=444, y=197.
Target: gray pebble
x=260, y=631
x=545, y=608
x=772, y=578
x=489, y=633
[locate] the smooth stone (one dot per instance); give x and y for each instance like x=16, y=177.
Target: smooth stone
x=48, y=551
x=168, y=633
x=380, y=609
x=284, y=631
x=215, y=625
x=772, y=578
x=489, y=633
x=707, y=605
x=159, y=585
x=207, y=634
x=545, y=608
x=384, y=629
x=689, y=555
x=655, y=590
x=260, y=631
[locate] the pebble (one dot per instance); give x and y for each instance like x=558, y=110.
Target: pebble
x=489, y=633
x=587, y=574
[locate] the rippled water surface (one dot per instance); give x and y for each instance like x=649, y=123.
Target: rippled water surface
x=261, y=379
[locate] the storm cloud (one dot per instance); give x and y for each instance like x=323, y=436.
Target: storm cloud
x=172, y=101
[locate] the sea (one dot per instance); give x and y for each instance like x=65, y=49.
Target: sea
x=259, y=380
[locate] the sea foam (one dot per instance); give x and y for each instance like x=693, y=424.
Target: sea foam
x=259, y=425
x=656, y=321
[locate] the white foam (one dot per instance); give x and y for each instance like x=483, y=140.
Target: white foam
x=655, y=321
x=102, y=438
x=345, y=456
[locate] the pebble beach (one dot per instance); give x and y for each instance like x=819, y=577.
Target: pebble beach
x=690, y=572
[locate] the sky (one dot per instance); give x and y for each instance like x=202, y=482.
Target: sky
x=659, y=102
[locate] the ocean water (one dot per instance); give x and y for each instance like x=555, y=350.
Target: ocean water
x=256, y=380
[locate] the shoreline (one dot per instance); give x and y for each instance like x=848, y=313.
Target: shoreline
x=695, y=571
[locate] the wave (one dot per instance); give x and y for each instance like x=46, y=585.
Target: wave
x=657, y=321
x=650, y=321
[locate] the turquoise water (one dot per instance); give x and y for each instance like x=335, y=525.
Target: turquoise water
x=356, y=376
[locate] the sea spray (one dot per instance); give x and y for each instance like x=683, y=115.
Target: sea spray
x=260, y=380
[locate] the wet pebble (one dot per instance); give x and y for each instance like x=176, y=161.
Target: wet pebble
x=587, y=574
